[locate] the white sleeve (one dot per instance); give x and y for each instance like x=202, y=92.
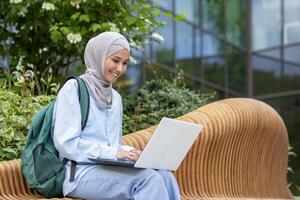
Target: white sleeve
x=67, y=129
x=123, y=147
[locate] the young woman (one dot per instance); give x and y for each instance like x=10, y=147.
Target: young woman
x=106, y=58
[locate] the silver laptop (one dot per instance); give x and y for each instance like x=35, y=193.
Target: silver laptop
x=166, y=148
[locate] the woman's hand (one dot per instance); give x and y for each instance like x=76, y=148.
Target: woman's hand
x=133, y=154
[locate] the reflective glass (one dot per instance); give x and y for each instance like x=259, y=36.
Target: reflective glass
x=211, y=46
x=163, y=52
x=274, y=53
x=184, y=41
x=291, y=77
x=292, y=54
x=235, y=22
x=197, y=61
x=266, y=75
x=218, y=93
x=237, y=72
x=265, y=24
x=198, y=43
x=187, y=65
x=153, y=71
x=214, y=70
x=213, y=16
x=190, y=8
x=291, y=21
x=198, y=67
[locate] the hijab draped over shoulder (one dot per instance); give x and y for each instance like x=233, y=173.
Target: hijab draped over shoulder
x=97, y=50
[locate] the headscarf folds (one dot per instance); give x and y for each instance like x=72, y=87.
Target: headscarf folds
x=97, y=50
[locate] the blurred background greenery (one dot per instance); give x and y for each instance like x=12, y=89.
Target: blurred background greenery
x=202, y=50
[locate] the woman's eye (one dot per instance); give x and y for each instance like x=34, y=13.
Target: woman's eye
x=125, y=63
x=115, y=61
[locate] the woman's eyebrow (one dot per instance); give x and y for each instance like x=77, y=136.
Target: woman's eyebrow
x=120, y=58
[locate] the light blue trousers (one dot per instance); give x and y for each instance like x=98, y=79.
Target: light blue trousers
x=120, y=183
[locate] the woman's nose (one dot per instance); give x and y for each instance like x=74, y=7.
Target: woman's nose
x=119, y=68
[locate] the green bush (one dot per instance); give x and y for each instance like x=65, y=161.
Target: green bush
x=159, y=98
x=15, y=117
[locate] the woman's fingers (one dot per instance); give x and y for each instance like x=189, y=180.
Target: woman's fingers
x=133, y=155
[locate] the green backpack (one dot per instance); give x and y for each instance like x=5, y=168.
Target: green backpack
x=40, y=163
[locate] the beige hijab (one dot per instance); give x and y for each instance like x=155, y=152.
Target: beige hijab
x=96, y=51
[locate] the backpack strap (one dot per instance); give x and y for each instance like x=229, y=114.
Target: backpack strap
x=84, y=100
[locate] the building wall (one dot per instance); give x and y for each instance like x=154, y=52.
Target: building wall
x=236, y=48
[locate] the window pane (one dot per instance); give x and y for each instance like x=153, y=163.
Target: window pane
x=291, y=22
x=214, y=70
x=212, y=46
x=275, y=53
x=237, y=72
x=198, y=43
x=167, y=4
x=266, y=76
x=153, y=72
x=291, y=77
x=265, y=24
x=187, y=65
x=184, y=41
x=190, y=8
x=235, y=22
x=213, y=16
x=163, y=52
x=218, y=93
x=292, y=54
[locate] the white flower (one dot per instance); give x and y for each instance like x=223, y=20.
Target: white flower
x=74, y=38
x=23, y=12
x=15, y=1
x=48, y=6
x=30, y=65
x=113, y=27
x=158, y=37
x=20, y=66
x=76, y=3
x=41, y=50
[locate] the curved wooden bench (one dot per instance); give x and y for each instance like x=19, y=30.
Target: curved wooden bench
x=242, y=152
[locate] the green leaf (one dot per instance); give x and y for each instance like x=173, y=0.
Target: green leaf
x=84, y=18
x=180, y=17
x=75, y=16
x=56, y=36
x=95, y=27
x=65, y=30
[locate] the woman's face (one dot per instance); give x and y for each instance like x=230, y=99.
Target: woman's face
x=116, y=65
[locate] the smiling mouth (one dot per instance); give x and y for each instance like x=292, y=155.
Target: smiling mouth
x=115, y=74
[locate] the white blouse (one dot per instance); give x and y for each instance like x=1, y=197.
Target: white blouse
x=101, y=137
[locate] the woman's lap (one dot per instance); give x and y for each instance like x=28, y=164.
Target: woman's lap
x=112, y=182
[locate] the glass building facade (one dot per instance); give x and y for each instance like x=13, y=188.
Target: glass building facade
x=238, y=48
